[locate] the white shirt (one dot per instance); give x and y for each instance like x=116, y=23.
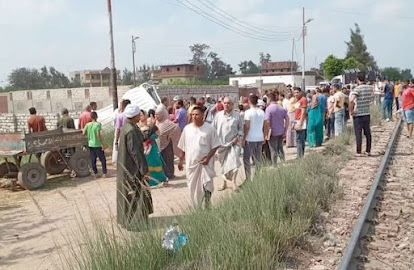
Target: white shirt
x=256, y=117
x=286, y=103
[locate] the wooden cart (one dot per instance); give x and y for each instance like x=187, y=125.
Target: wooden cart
x=60, y=148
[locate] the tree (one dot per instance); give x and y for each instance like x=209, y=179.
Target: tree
x=351, y=63
x=127, y=77
x=332, y=66
x=406, y=74
x=200, y=53
x=248, y=67
x=391, y=73
x=358, y=49
x=213, y=66
x=24, y=78
x=217, y=68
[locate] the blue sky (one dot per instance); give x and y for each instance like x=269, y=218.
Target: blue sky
x=73, y=34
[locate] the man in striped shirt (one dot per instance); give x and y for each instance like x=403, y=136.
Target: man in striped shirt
x=359, y=109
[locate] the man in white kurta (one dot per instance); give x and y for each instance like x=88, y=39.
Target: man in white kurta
x=199, y=143
x=230, y=130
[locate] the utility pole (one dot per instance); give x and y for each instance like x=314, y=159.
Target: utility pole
x=114, y=76
x=303, y=56
x=303, y=45
x=134, y=49
x=291, y=63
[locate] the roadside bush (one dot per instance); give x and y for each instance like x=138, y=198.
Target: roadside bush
x=252, y=229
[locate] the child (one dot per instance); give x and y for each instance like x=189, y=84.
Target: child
x=95, y=143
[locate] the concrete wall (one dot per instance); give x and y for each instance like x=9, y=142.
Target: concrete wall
x=11, y=122
x=295, y=80
x=53, y=100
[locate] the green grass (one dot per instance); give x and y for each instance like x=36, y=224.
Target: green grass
x=375, y=116
x=253, y=229
x=108, y=136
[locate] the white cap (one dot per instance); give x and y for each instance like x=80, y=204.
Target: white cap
x=131, y=111
x=176, y=98
x=261, y=103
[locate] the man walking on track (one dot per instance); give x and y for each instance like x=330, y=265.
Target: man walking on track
x=229, y=126
x=199, y=143
x=359, y=109
x=134, y=201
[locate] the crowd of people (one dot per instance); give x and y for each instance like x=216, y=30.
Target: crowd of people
x=251, y=131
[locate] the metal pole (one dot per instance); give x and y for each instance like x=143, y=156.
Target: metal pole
x=114, y=76
x=303, y=45
x=291, y=63
x=133, y=60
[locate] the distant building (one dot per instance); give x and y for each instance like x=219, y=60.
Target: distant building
x=277, y=67
x=264, y=81
x=183, y=72
x=94, y=78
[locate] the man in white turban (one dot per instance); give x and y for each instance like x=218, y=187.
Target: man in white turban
x=134, y=202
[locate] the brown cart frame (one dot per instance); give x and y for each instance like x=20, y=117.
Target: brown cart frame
x=58, y=148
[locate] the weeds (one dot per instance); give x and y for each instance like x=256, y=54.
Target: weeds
x=253, y=229
x=375, y=116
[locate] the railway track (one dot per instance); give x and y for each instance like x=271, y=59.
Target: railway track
x=383, y=237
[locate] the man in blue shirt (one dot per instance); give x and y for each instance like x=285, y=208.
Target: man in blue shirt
x=388, y=100
x=181, y=115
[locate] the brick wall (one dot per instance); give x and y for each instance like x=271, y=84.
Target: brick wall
x=11, y=122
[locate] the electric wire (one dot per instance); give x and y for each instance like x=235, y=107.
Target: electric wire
x=217, y=21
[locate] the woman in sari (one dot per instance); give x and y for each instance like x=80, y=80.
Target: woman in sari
x=152, y=153
x=315, y=122
x=168, y=140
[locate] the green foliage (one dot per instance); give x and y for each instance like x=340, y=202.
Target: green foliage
x=396, y=74
x=127, y=77
x=358, y=49
x=406, y=74
x=214, y=68
x=248, y=67
x=376, y=116
x=253, y=229
x=333, y=66
x=351, y=62
x=25, y=78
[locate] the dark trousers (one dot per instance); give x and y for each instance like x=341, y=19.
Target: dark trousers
x=252, y=150
x=300, y=142
x=330, y=129
x=276, y=148
x=397, y=103
x=362, y=123
x=97, y=152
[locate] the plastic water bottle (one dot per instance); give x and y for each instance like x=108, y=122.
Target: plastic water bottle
x=174, y=239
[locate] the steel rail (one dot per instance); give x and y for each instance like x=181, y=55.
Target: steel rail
x=350, y=253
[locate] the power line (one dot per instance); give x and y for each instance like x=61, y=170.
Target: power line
x=217, y=21
x=366, y=14
x=235, y=20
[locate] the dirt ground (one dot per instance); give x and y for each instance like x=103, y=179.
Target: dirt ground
x=34, y=225
x=336, y=225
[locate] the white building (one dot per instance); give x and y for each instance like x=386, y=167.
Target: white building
x=258, y=80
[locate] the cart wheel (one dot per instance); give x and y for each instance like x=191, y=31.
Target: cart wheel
x=32, y=175
x=4, y=170
x=79, y=163
x=53, y=162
